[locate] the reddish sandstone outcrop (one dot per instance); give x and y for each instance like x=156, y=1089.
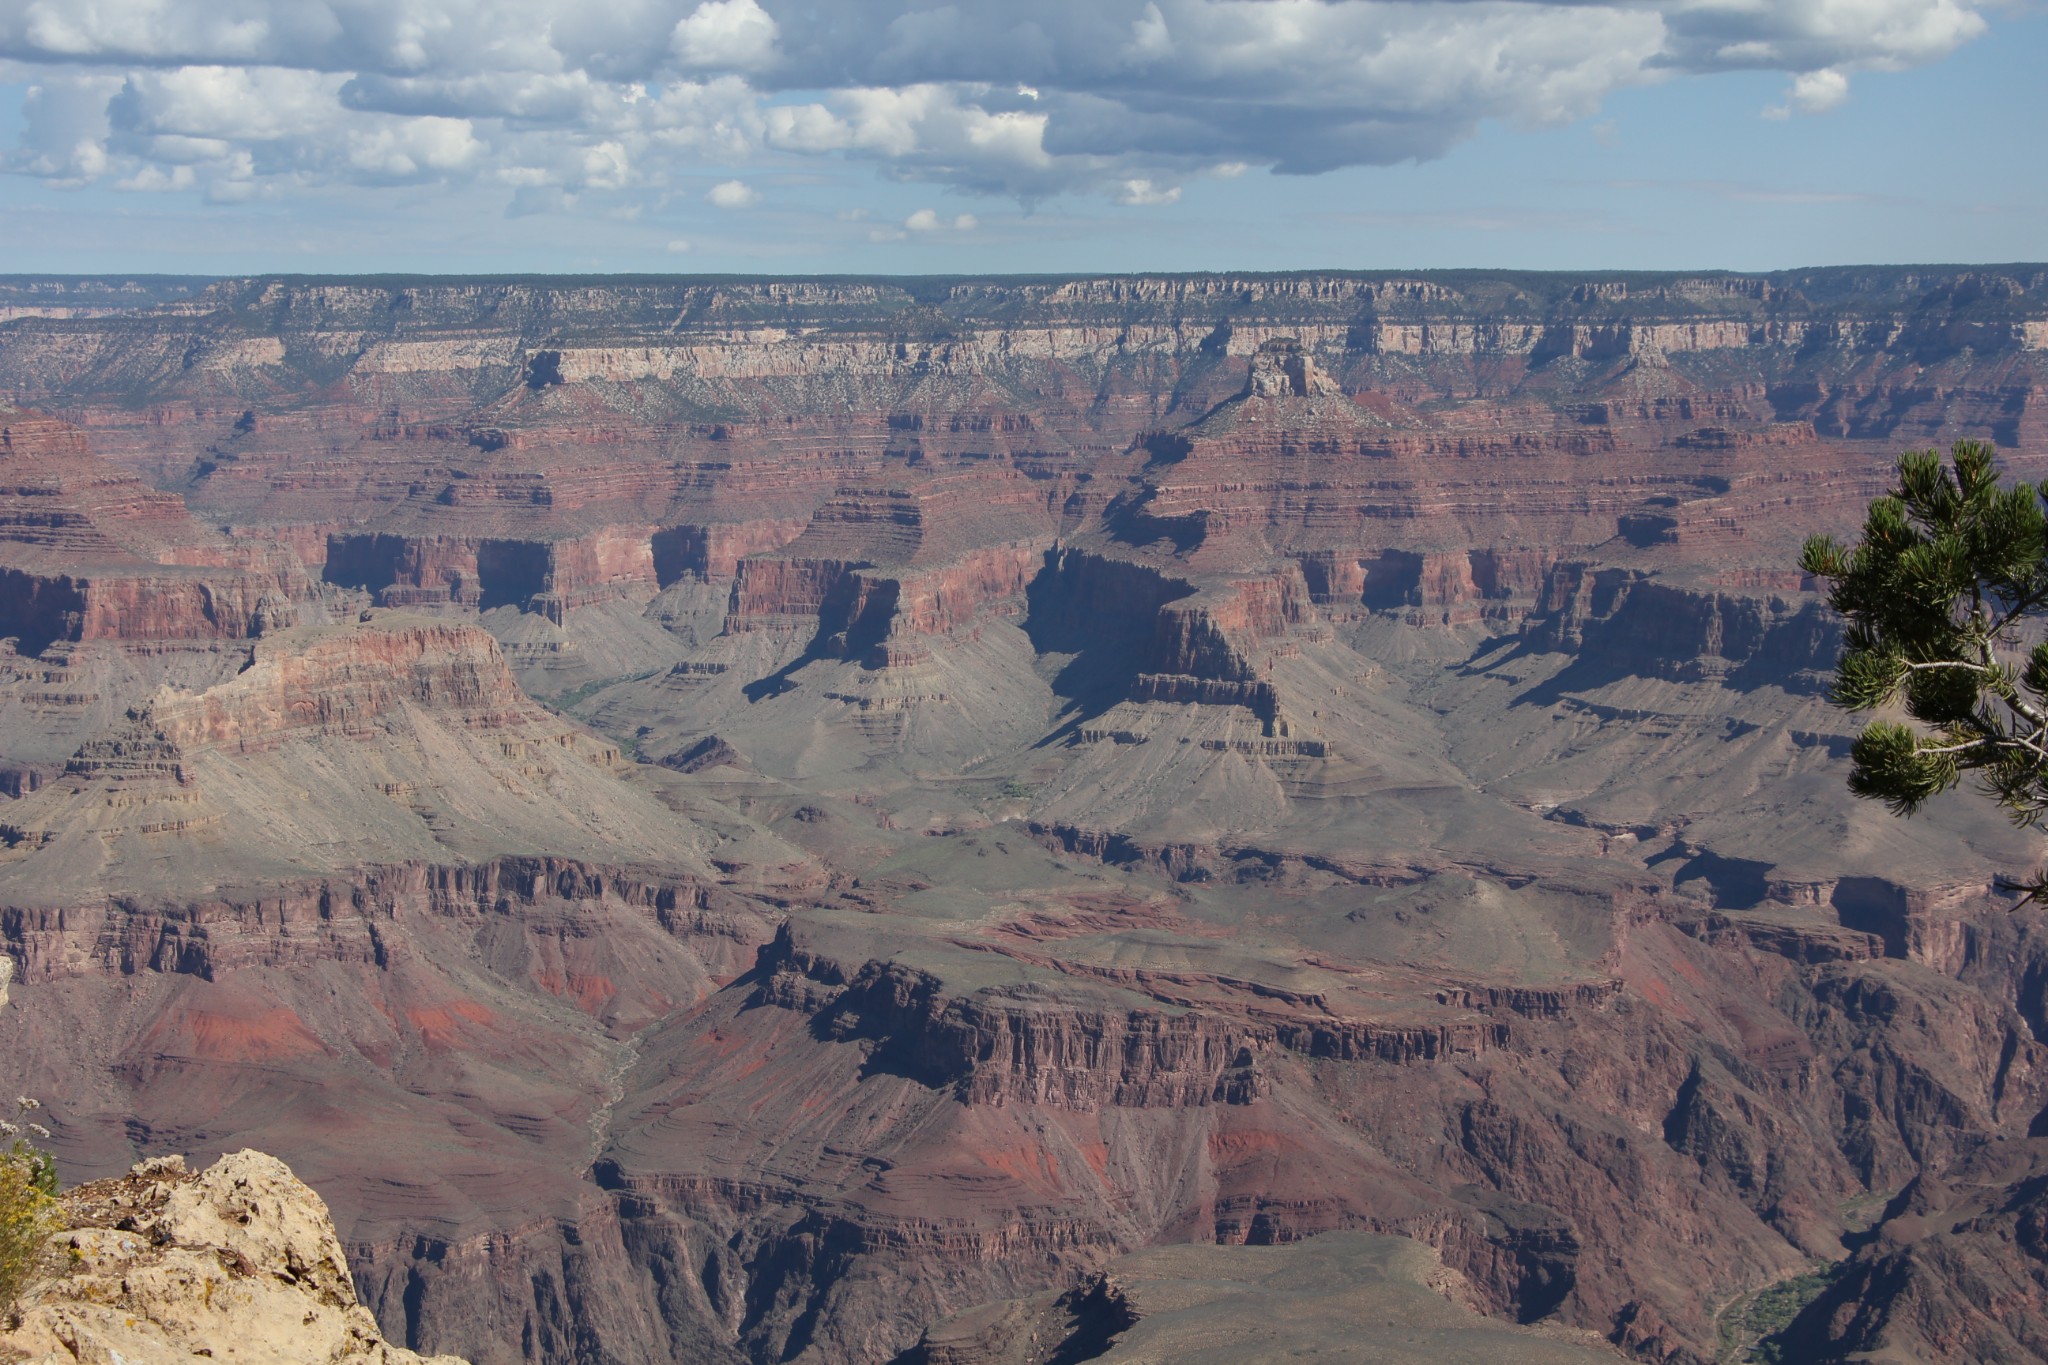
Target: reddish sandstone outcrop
x=88, y=552
x=879, y=569
x=547, y=576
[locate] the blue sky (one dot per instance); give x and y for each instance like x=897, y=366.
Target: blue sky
x=733, y=135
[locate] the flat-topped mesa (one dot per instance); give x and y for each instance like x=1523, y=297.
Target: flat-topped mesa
x=318, y=683
x=404, y=738
x=931, y=520
x=1216, y=633
x=343, y=682
x=770, y=592
x=88, y=552
x=880, y=615
x=1206, y=1040
x=1203, y=640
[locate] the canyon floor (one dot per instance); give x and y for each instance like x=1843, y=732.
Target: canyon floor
x=1211, y=817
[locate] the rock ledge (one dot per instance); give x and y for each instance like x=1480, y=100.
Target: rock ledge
x=239, y=1262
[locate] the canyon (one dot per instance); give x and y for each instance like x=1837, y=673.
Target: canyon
x=848, y=820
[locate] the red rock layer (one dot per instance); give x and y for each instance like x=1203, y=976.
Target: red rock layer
x=545, y=576
x=88, y=552
x=347, y=920
x=343, y=683
x=713, y=552
x=879, y=569
x=1226, y=1112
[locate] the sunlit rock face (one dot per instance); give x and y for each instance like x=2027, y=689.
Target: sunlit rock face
x=237, y=1261
x=757, y=821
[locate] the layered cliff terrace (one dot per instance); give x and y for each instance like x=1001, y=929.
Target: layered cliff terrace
x=90, y=552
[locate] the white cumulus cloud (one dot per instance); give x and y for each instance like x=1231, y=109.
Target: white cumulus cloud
x=731, y=35
x=733, y=194
x=1142, y=191
x=928, y=220
x=1813, y=92
x=1127, y=99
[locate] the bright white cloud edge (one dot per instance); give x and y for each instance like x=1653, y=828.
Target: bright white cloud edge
x=1126, y=99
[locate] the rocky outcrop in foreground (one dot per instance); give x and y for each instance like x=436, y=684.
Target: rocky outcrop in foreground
x=239, y=1262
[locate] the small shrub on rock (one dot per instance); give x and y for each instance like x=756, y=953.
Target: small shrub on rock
x=28, y=1202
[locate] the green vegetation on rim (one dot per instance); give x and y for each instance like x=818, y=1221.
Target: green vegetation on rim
x=1948, y=580
x=28, y=1202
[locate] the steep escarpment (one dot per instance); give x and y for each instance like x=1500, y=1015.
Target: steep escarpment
x=549, y=577
x=343, y=890
x=539, y=417
x=882, y=572
x=358, y=920
x=1622, y=621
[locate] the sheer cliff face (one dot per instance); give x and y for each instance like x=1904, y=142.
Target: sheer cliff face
x=1121, y=763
